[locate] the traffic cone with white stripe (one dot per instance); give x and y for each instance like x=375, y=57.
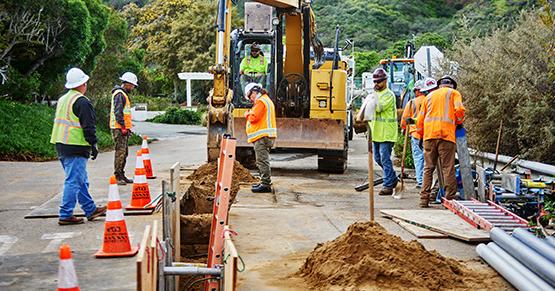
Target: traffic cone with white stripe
x=140, y=196
x=67, y=278
x=116, y=239
x=146, y=159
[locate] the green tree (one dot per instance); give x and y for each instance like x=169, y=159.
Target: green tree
x=431, y=38
x=366, y=61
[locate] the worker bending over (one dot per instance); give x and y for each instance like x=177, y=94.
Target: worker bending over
x=120, y=124
x=384, y=129
x=441, y=113
x=410, y=115
x=74, y=134
x=253, y=67
x=261, y=131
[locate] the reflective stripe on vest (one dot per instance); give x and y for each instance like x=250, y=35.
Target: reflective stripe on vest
x=126, y=111
x=445, y=117
x=270, y=130
x=67, y=128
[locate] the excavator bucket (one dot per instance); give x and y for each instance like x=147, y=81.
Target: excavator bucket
x=299, y=133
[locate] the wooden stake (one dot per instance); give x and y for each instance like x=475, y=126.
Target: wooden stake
x=498, y=144
x=370, y=174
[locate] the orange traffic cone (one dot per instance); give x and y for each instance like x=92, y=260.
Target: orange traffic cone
x=67, y=279
x=116, y=240
x=140, y=196
x=146, y=159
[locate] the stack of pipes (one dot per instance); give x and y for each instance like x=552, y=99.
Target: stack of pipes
x=523, y=259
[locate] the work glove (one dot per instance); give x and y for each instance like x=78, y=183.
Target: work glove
x=460, y=126
x=94, y=152
x=124, y=131
x=410, y=121
x=421, y=144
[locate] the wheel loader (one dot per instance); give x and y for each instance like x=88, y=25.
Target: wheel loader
x=307, y=85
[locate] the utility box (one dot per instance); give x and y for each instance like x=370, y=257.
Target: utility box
x=258, y=17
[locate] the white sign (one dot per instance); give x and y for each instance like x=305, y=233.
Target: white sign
x=427, y=60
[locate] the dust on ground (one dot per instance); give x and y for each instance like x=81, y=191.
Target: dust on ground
x=368, y=257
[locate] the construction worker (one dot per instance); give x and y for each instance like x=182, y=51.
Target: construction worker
x=120, y=124
x=74, y=134
x=440, y=114
x=384, y=129
x=261, y=131
x=410, y=114
x=254, y=67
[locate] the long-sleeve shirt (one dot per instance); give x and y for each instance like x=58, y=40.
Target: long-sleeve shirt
x=83, y=109
x=119, y=103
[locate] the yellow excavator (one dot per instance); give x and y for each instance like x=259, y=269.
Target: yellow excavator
x=306, y=82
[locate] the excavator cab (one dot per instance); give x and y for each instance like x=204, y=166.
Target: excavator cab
x=308, y=90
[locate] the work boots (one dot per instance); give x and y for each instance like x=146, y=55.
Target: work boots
x=386, y=192
x=261, y=188
x=99, y=211
x=70, y=221
x=122, y=180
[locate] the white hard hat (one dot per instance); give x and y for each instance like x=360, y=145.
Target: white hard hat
x=429, y=84
x=129, y=78
x=249, y=88
x=75, y=77
x=418, y=85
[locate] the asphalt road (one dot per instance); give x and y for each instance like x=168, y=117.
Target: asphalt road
x=271, y=237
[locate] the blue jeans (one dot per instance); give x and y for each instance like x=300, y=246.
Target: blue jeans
x=418, y=158
x=382, y=156
x=76, y=187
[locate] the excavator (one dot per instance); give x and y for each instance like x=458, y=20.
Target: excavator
x=306, y=82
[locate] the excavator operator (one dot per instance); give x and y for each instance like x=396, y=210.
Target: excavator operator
x=254, y=67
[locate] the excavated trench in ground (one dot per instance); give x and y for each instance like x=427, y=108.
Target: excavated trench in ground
x=196, y=211
x=197, y=203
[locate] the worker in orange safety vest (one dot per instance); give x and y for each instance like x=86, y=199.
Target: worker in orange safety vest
x=261, y=131
x=441, y=112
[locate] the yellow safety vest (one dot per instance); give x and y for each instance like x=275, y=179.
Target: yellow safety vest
x=126, y=111
x=67, y=128
x=265, y=124
x=254, y=65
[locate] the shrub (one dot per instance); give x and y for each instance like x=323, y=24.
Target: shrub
x=508, y=76
x=178, y=116
x=398, y=150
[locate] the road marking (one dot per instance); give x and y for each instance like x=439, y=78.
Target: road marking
x=6, y=242
x=56, y=240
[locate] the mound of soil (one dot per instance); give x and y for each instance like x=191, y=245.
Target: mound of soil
x=366, y=256
x=204, y=185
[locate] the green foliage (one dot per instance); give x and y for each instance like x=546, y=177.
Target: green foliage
x=366, y=61
x=398, y=150
x=509, y=75
x=20, y=87
x=60, y=34
x=432, y=38
x=153, y=103
x=178, y=116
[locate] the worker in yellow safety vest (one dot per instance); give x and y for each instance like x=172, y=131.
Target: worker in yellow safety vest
x=441, y=112
x=74, y=134
x=253, y=67
x=120, y=124
x=261, y=131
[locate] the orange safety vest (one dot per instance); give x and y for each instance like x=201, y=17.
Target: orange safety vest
x=261, y=120
x=440, y=113
x=412, y=109
x=126, y=111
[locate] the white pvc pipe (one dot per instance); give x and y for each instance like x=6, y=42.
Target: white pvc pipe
x=534, y=166
x=536, y=262
x=519, y=267
x=501, y=266
x=535, y=243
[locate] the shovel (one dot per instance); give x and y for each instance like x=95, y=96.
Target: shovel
x=401, y=186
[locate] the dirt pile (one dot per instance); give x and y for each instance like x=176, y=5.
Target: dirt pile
x=197, y=204
x=366, y=256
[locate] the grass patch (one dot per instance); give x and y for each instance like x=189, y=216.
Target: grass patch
x=25, y=133
x=176, y=115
